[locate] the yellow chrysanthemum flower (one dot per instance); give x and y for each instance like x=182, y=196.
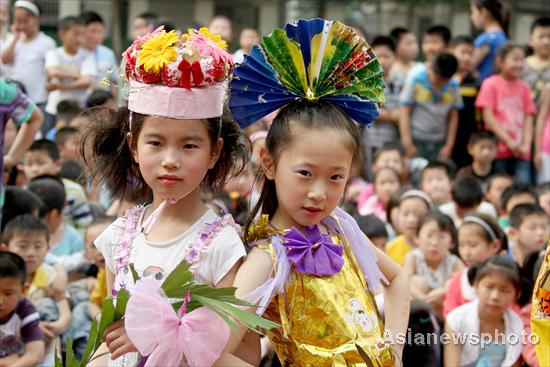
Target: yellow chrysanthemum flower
x=218, y=40
x=158, y=51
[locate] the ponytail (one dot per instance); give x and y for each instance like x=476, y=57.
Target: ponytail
x=497, y=10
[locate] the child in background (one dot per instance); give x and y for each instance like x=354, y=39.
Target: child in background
x=85, y=311
x=498, y=285
x=386, y=183
x=496, y=185
x=143, y=24
x=537, y=66
x=413, y=205
x=28, y=237
x=248, y=38
x=67, y=110
x=385, y=130
x=508, y=111
x=17, y=107
x=479, y=237
x=19, y=201
x=541, y=159
x=406, y=51
x=66, y=140
x=491, y=17
x=100, y=98
x=5, y=70
x=435, y=41
x=71, y=69
x=482, y=147
x=92, y=42
x=543, y=192
x=529, y=231
x=25, y=52
x=43, y=159
x=437, y=181
x=514, y=195
x=467, y=197
x=431, y=265
x=374, y=229
x=21, y=342
x=430, y=101
x=463, y=49
x=66, y=244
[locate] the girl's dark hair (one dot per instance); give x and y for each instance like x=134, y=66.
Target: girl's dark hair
x=109, y=159
x=504, y=265
x=394, y=202
x=501, y=236
x=444, y=222
x=529, y=271
x=506, y=48
x=497, y=10
x=311, y=115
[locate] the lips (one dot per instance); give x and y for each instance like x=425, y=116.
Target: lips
x=169, y=179
x=312, y=210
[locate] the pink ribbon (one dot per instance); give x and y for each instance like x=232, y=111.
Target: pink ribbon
x=166, y=339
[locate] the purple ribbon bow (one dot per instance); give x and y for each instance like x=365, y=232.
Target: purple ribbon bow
x=314, y=254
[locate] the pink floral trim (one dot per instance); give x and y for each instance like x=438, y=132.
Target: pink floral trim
x=122, y=253
x=205, y=237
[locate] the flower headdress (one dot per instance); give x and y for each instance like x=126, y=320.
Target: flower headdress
x=312, y=59
x=178, y=77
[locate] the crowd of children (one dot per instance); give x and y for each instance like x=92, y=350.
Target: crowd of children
x=450, y=185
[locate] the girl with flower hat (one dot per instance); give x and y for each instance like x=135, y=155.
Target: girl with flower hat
x=311, y=269
x=172, y=143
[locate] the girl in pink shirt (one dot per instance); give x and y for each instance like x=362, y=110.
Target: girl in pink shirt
x=387, y=182
x=542, y=137
x=479, y=237
x=508, y=111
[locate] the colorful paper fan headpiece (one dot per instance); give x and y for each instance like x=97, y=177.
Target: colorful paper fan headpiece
x=312, y=59
x=178, y=77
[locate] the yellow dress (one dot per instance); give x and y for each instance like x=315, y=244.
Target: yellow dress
x=540, y=311
x=398, y=248
x=324, y=317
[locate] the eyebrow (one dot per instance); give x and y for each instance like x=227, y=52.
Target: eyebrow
x=309, y=165
x=186, y=138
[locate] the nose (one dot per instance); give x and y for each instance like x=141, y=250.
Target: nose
x=170, y=161
x=317, y=192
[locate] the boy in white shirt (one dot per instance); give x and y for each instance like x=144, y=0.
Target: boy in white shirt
x=70, y=69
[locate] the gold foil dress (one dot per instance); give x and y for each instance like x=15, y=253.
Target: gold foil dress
x=322, y=318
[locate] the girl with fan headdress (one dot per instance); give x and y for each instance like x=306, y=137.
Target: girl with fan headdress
x=170, y=142
x=311, y=269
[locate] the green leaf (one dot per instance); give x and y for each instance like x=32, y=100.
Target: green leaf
x=107, y=318
x=57, y=361
x=135, y=275
x=70, y=359
x=179, y=276
x=121, y=300
x=90, y=345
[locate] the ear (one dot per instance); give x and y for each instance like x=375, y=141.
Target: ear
x=133, y=151
x=25, y=287
x=3, y=247
x=469, y=148
x=513, y=233
x=58, y=165
x=495, y=246
x=216, y=151
x=267, y=163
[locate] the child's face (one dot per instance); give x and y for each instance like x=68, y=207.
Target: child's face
x=495, y=293
x=38, y=163
x=31, y=246
x=92, y=254
x=477, y=16
x=385, y=56
x=532, y=234
x=483, y=151
x=174, y=155
x=473, y=246
x=512, y=65
x=11, y=291
x=71, y=38
x=437, y=184
x=94, y=34
x=464, y=53
x=521, y=198
x=3, y=14
x=70, y=149
x=310, y=175
x=539, y=40
x=434, y=242
x=24, y=21
x=379, y=242
x=495, y=190
x=222, y=26
x=248, y=38
x=544, y=202
x=140, y=27
x=409, y=214
x=432, y=45
x=390, y=158
x=407, y=47
x=385, y=185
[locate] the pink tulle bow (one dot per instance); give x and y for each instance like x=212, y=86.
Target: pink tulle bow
x=157, y=332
